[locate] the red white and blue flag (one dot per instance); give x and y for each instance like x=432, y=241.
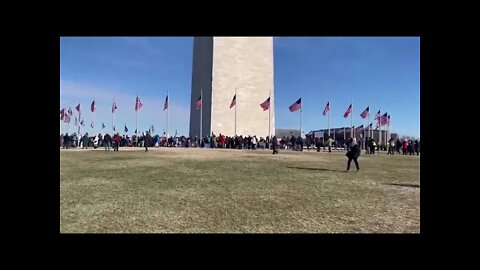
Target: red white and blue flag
x=348, y=112
x=327, y=108
x=234, y=101
x=92, y=107
x=198, y=103
x=365, y=113
x=165, y=105
x=114, y=107
x=78, y=108
x=138, y=104
x=266, y=104
x=295, y=106
x=377, y=115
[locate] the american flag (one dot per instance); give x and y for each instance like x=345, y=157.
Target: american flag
x=388, y=122
x=327, y=108
x=348, y=112
x=66, y=118
x=266, y=104
x=92, y=107
x=126, y=129
x=360, y=128
x=70, y=112
x=377, y=115
x=368, y=127
x=234, y=101
x=114, y=107
x=76, y=121
x=138, y=104
x=295, y=106
x=81, y=123
x=198, y=103
x=91, y=124
x=78, y=107
x=365, y=113
x=103, y=125
x=62, y=114
x=165, y=105
x=383, y=119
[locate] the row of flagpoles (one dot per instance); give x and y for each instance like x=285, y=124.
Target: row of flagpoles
x=66, y=115
x=264, y=105
x=381, y=119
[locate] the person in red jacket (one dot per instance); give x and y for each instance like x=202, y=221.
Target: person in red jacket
x=405, y=147
x=116, y=142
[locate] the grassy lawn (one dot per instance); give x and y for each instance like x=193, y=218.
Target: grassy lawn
x=206, y=190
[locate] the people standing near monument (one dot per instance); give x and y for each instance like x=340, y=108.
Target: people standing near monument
x=353, y=153
x=275, y=145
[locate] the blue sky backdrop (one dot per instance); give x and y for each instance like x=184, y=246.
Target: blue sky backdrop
x=381, y=71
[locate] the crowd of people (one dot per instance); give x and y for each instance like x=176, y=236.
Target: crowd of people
x=294, y=143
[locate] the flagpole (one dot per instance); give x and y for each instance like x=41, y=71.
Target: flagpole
x=167, y=113
x=136, y=120
x=269, y=106
x=351, y=123
x=236, y=104
x=380, y=128
x=329, y=117
x=94, y=109
x=79, y=117
x=201, y=111
x=113, y=115
x=368, y=118
x=301, y=115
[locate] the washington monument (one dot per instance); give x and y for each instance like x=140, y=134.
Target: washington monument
x=228, y=66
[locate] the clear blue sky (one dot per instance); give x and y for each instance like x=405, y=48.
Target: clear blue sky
x=382, y=71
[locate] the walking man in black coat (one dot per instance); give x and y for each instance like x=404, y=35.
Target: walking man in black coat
x=353, y=153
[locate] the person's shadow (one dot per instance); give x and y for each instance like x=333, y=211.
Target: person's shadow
x=315, y=169
x=404, y=185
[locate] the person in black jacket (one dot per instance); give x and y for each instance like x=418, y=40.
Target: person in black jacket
x=107, y=139
x=353, y=153
x=147, y=140
x=275, y=145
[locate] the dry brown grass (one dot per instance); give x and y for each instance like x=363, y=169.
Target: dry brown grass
x=204, y=190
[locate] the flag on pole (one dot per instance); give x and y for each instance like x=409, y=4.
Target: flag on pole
x=388, y=121
x=295, y=106
x=365, y=113
x=92, y=107
x=70, y=112
x=91, y=125
x=368, y=127
x=66, y=118
x=383, y=119
x=113, y=128
x=81, y=123
x=327, y=108
x=114, y=107
x=76, y=121
x=135, y=131
x=348, y=112
x=126, y=129
x=78, y=107
x=103, y=125
x=360, y=128
x=234, y=101
x=165, y=106
x=138, y=104
x=377, y=115
x=198, y=104
x=62, y=114
x=266, y=104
